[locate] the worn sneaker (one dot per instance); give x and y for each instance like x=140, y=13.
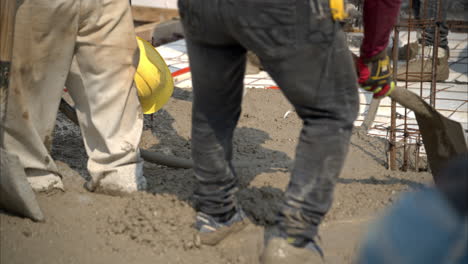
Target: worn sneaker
x=420, y=68
x=211, y=232
x=292, y=251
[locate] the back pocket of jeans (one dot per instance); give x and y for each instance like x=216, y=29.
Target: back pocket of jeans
x=190, y=16
x=268, y=27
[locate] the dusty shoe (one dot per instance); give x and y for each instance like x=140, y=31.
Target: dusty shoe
x=124, y=181
x=44, y=181
x=280, y=250
x=425, y=63
x=211, y=232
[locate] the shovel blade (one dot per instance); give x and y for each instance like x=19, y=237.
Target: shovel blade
x=443, y=138
x=16, y=194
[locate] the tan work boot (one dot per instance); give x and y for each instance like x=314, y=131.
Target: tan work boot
x=408, y=51
x=280, y=251
x=424, y=62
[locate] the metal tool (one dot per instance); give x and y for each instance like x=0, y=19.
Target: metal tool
x=443, y=138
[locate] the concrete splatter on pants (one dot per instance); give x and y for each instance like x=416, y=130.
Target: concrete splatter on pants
x=305, y=52
x=89, y=46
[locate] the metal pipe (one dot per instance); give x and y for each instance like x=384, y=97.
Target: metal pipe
x=392, y=148
x=435, y=54
x=405, y=134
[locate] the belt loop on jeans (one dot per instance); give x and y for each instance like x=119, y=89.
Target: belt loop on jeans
x=316, y=9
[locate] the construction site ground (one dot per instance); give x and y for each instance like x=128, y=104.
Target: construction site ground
x=156, y=226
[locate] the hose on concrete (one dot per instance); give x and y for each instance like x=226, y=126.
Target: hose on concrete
x=170, y=161
x=151, y=156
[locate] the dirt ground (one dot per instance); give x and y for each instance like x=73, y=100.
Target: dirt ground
x=156, y=226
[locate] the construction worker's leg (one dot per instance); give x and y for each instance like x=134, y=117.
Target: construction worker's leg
x=437, y=13
x=101, y=84
x=217, y=77
x=44, y=38
x=319, y=80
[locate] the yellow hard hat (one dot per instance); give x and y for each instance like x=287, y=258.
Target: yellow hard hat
x=152, y=78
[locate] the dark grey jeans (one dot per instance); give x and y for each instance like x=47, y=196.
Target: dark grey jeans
x=432, y=12
x=305, y=52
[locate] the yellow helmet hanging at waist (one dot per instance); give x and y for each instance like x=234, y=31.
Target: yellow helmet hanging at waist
x=152, y=78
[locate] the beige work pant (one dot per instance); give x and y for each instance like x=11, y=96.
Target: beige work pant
x=98, y=37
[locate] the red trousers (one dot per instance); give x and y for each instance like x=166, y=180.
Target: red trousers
x=379, y=18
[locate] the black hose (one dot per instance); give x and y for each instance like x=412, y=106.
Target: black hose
x=170, y=161
x=154, y=157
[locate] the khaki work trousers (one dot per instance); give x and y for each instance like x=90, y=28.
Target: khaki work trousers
x=89, y=46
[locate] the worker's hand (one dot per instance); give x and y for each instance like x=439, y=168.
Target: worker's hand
x=375, y=75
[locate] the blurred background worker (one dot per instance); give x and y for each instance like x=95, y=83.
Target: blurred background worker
x=427, y=226
x=301, y=45
x=90, y=47
x=420, y=53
